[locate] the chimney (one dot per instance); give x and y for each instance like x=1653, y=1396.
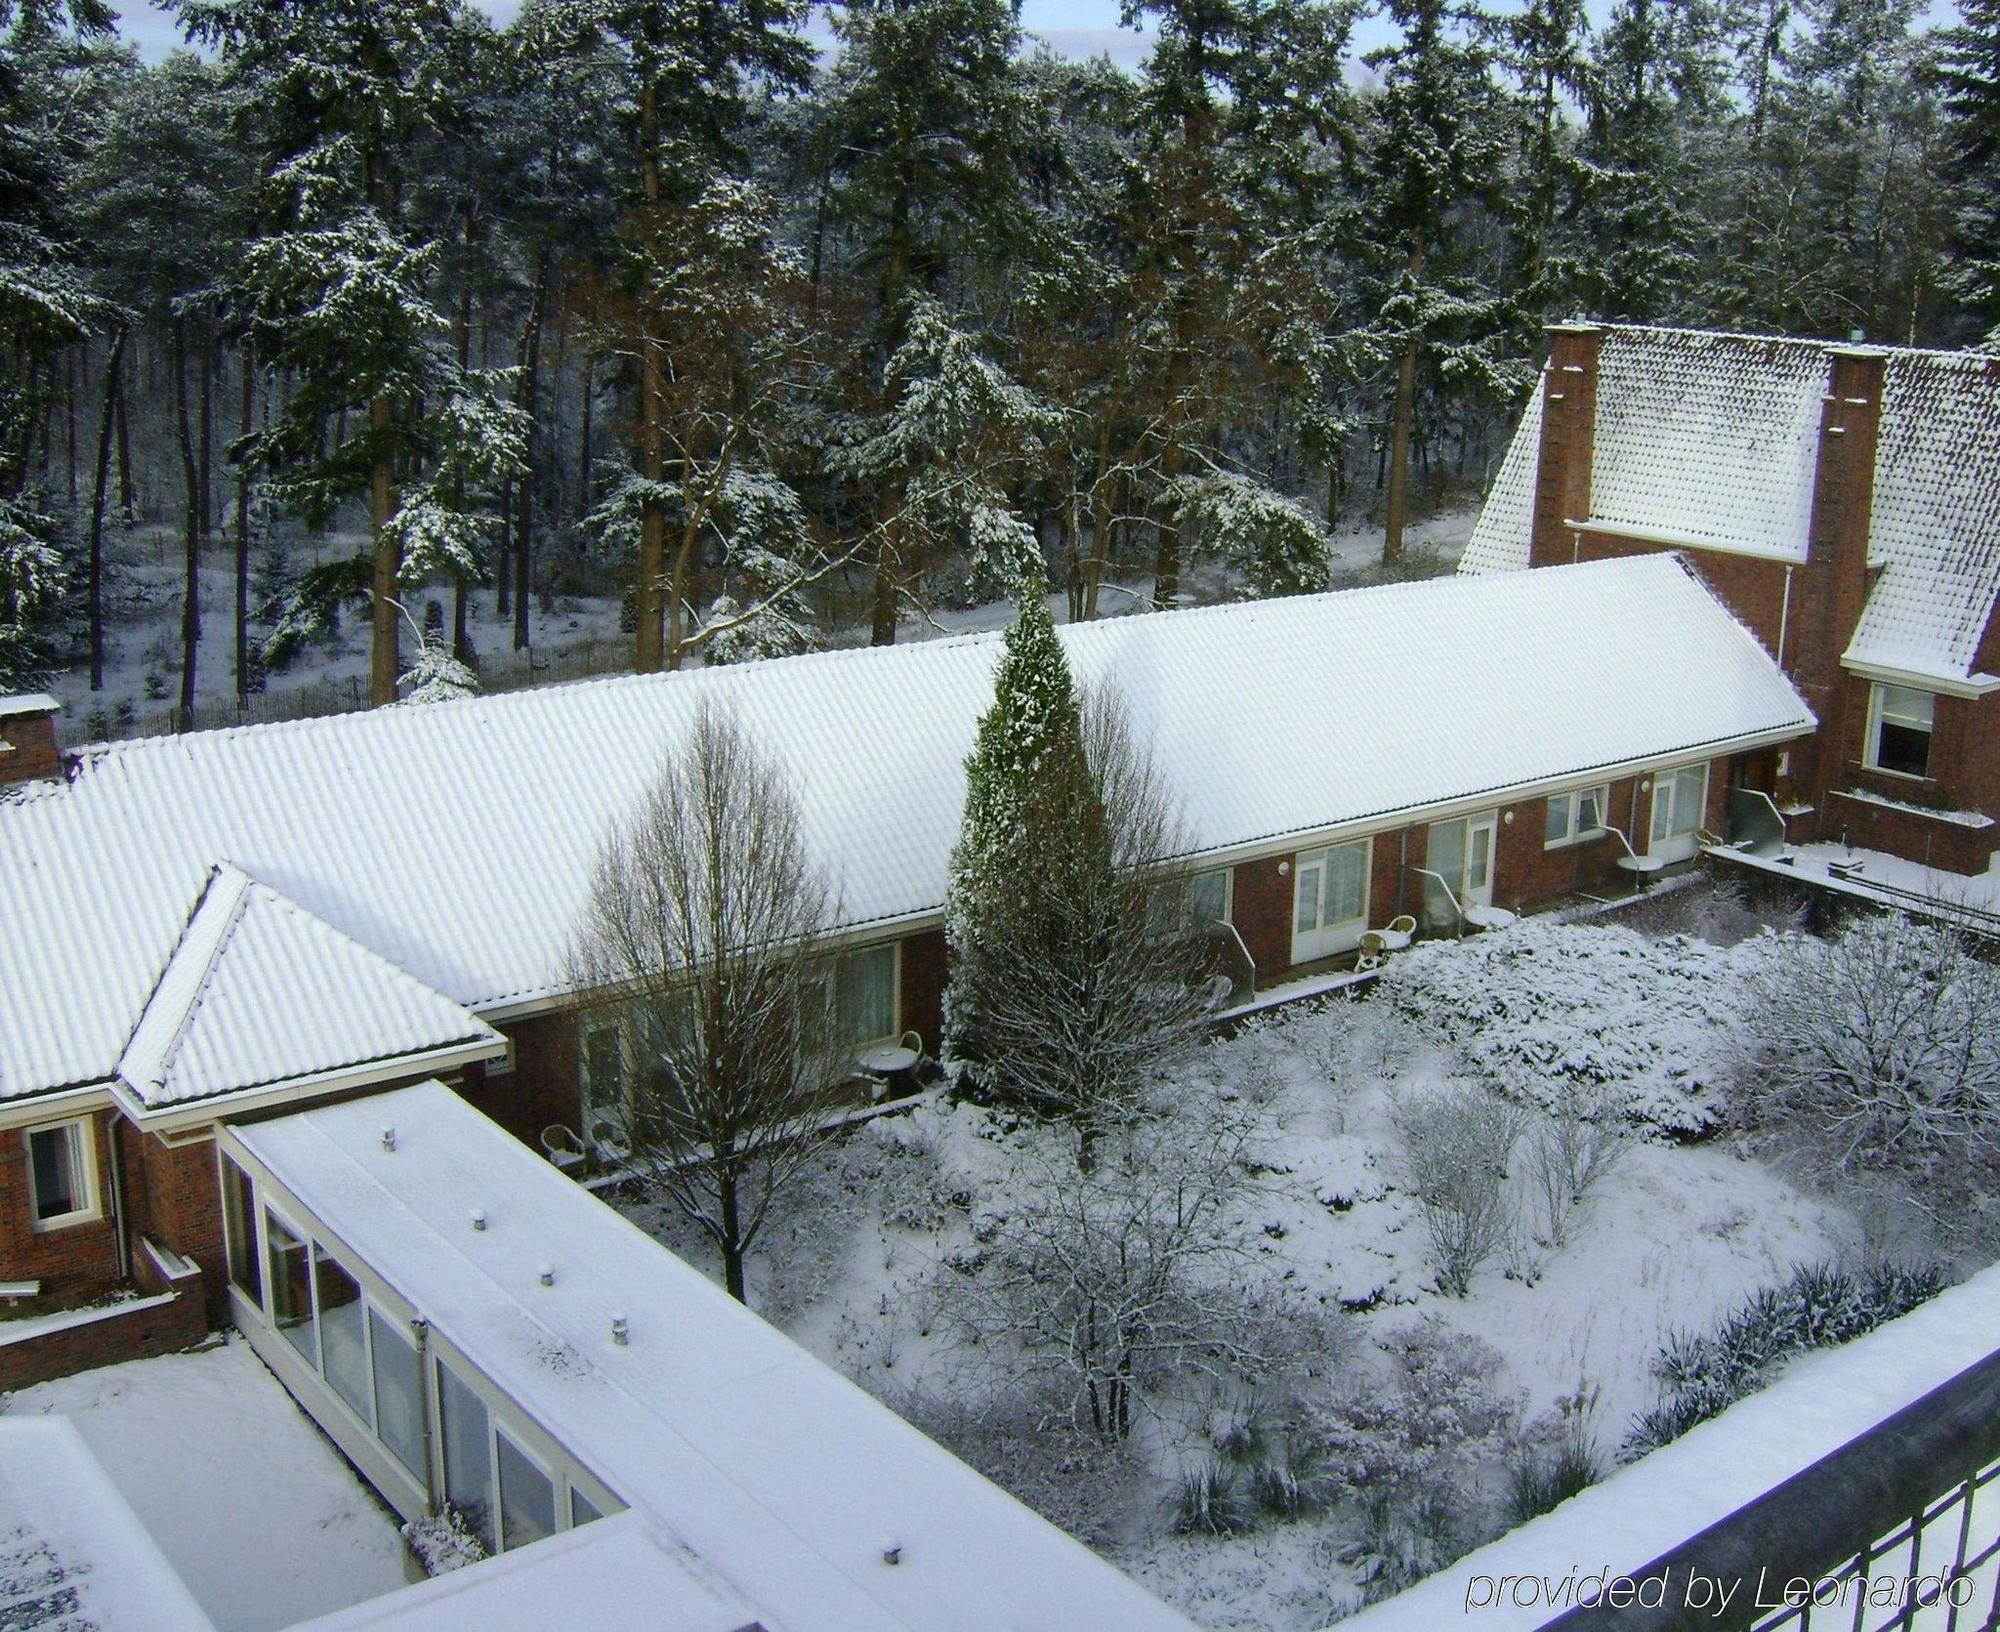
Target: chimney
x=28, y=739
x=1569, y=428
x=1836, y=571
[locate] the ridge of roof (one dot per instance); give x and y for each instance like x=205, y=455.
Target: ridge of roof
x=335, y=965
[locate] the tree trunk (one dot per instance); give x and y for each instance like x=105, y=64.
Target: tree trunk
x=732, y=1238
x=127, y=505
x=1173, y=462
x=461, y=633
x=647, y=600
x=75, y=363
x=531, y=361
x=245, y=423
x=583, y=497
x=191, y=478
x=385, y=657
x=1399, y=438
x=207, y=452
x=105, y=423
x=891, y=568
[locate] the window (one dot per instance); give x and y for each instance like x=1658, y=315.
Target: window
x=1461, y=853
x=468, y=1451
x=239, y=1211
x=527, y=1495
x=1208, y=896
x=582, y=1510
x=1575, y=816
x=399, y=1393
x=343, y=1334
x=61, y=1174
x=1899, y=730
x=865, y=995
x=290, y=1266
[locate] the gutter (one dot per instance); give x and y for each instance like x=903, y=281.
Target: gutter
x=1947, y=685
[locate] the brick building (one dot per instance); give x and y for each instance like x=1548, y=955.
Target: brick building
x=203, y=931
x=1845, y=502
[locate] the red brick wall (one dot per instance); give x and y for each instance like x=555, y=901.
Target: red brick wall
x=73, y=1262
x=177, y=1199
x=161, y=1328
x=1528, y=874
x=922, y=996
x=1261, y=908
x=545, y=1086
x=33, y=740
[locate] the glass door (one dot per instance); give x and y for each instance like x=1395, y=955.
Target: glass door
x=1679, y=798
x=1329, y=901
x=1460, y=853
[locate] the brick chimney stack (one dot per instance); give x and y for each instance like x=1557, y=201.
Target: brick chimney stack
x=1569, y=429
x=1834, y=586
x=28, y=739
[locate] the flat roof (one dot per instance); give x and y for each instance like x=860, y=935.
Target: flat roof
x=786, y=1482
x=72, y=1551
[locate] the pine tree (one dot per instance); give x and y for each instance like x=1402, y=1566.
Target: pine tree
x=336, y=290
x=1971, y=76
x=1032, y=822
x=1434, y=154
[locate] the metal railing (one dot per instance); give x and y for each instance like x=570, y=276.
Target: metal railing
x=1898, y=1529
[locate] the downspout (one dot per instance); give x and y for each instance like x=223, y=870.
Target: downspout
x=1785, y=616
x=121, y=1244
x=420, y=1329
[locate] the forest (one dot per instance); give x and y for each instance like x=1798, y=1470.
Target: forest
x=775, y=342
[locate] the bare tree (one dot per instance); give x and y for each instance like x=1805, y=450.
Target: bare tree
x=1109, y=1287
x=1887, y=1036
x=1457, y=1143
x=1572, y=1148
x=703, y=925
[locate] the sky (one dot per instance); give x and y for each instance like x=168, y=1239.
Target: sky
x=1076, y=28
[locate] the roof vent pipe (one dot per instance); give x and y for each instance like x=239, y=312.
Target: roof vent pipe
x=388, y=1138
x=479, y=1218
x=547, y=1274
x=621, y=1330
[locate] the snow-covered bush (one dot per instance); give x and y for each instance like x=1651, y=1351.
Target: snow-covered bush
x=1545, y=1005
x=1553, y=1458
x=1024, y=1442
x=1819, y=1306
x=1405, y=1455
x=1571, y=1149
x=1885, y=1037
x=1457, y=1145
x=444, y=1541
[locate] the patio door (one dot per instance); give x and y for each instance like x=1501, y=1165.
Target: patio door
x=1461, y=853
x=1329, y=900
x=1679, y=799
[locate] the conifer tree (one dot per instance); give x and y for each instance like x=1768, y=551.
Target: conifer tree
x=1971, y=75
x=1075, y=952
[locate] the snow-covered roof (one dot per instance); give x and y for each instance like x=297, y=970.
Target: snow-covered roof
x=780, y=1480
x=246, y=955
x=1711, y=440
x=456, y=839
x=31, y=702
x=73, y=1554
x=592, y=1577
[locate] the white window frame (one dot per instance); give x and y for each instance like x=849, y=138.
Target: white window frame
x=1328, y=940
x=1878, y=713
x=1572, y=833
x=1228, y=875
x=83, y=1161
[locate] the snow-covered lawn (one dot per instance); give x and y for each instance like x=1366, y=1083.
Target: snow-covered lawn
x=263, y=1519
x=1673, y=1238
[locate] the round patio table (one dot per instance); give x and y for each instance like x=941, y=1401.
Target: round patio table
x=1480, y=917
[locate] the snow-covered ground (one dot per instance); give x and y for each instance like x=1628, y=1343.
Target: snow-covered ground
x=1676, y=1235
x=260, y=1516
x=576, y=635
